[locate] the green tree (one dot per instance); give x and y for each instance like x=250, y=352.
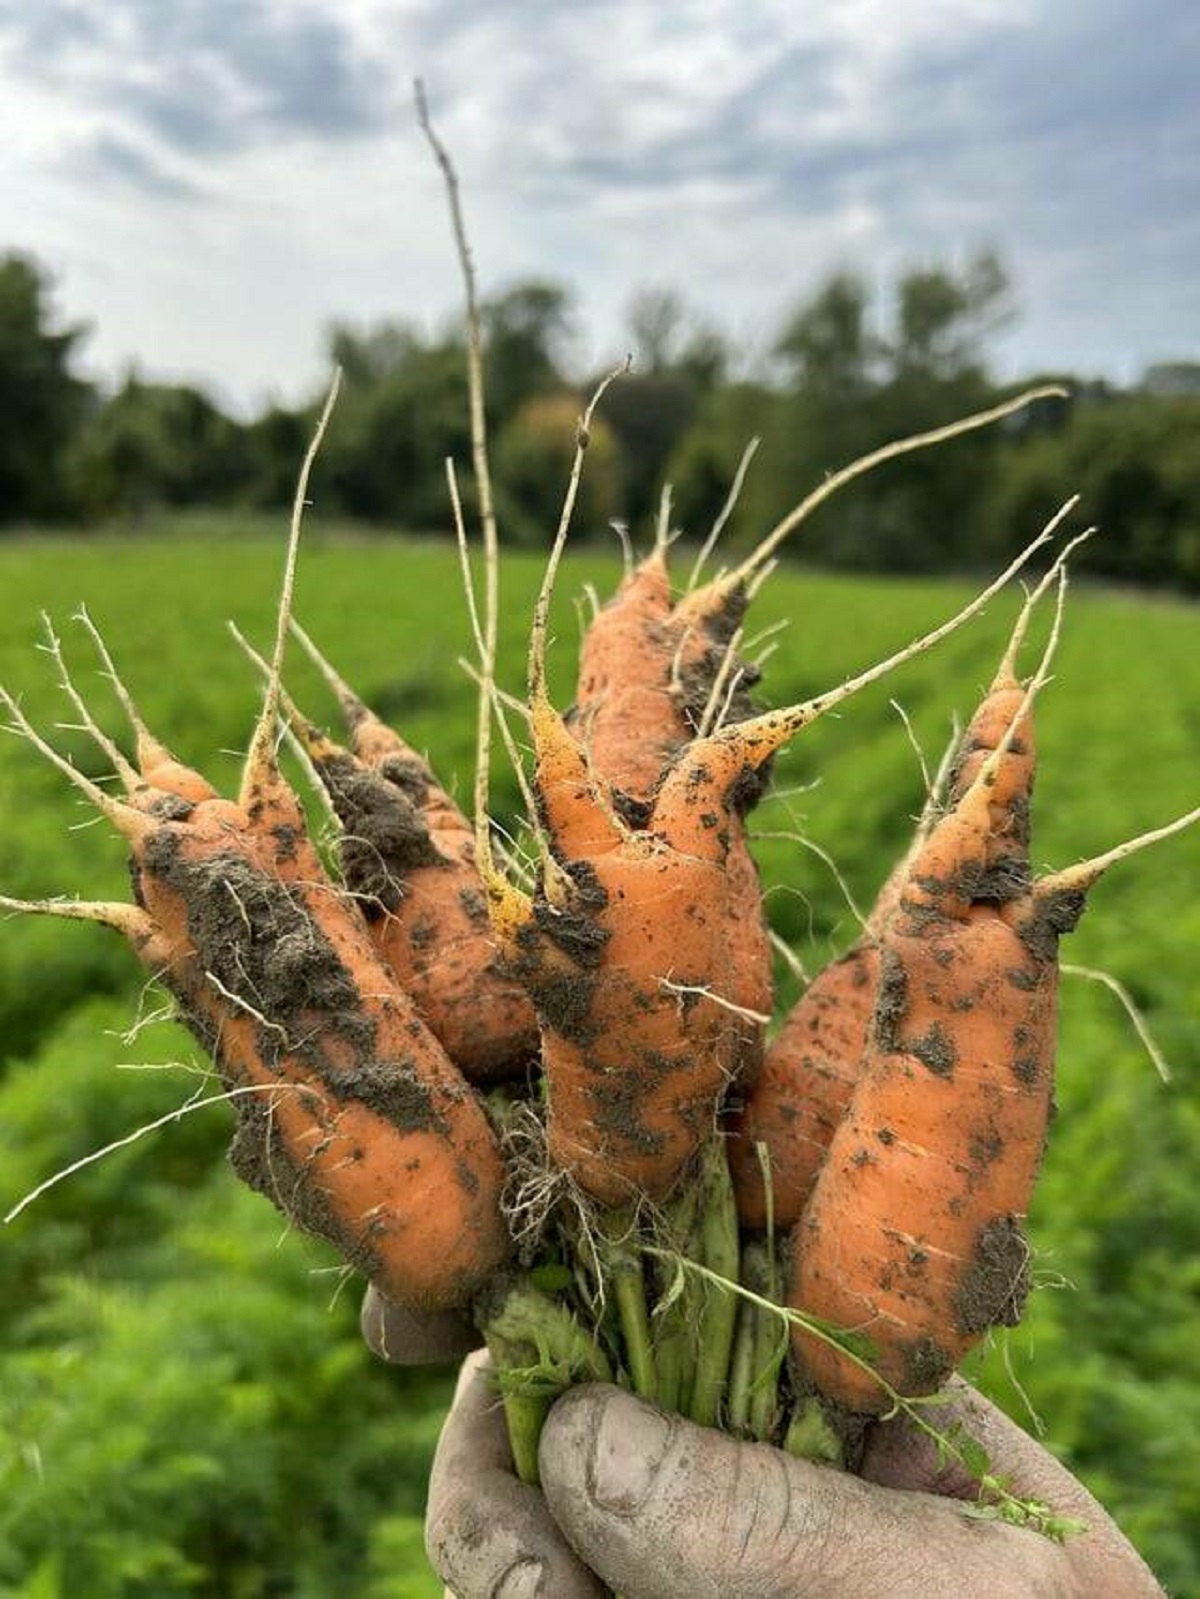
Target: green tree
x=41, y=399
x=153, y=445
x=1134, y=461
x=526, y=331
x=944, y=321
x=533, y=461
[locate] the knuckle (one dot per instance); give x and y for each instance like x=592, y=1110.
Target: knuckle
x=453, y=1524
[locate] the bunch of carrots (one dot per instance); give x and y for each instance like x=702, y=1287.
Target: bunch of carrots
x=549, y=1096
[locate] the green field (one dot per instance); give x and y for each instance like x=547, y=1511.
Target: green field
x=181, y=1410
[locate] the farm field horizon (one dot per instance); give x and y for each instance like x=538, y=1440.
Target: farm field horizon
x=148, y=1299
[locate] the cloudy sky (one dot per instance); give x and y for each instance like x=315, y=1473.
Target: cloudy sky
x=211, y=180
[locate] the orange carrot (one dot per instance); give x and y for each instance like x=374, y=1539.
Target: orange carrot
x=799, y=1097
x=913, y=1234
x=795, y=1103
x=366, y=1133
x=407, y=854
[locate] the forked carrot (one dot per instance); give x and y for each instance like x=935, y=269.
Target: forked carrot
x=365, y=1132
x=799, y=1097
x=913, y=1237
x=407, y=854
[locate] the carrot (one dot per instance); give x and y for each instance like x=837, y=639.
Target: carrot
x=913, y=1234
x=366, y=1133
x=799, y=1097
x=801, y=1093
x=407, y=854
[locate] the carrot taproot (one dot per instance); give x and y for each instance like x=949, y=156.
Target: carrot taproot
x=407, y=854
x=913, y=1234
x=367, y=1134
x=158, y=766
x=809, y=1072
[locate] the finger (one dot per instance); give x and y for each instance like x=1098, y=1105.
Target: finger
x=659, y=1507
x=898, y=1455
x=412, y=1337
x=489, y=1536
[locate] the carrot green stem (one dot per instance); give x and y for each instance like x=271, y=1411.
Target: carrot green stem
x=810, y=1437
x=629, y=1286
x=741, y=1369
x=621, y=1251
x=675, y=1321
x=770, y=1343
x=524, y=1413
x=538, y=1349
x=719, y=1248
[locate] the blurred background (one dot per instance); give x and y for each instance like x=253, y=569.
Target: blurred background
x=822, y=227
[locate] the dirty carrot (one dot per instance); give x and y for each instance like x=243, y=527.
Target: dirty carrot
x=407, y=855
x=366, y=1133
x=799, y=1097
x=913, y=1234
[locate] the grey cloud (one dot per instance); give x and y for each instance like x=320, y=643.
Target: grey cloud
x=202, y=75
x=107, y=156
x=1066, y=130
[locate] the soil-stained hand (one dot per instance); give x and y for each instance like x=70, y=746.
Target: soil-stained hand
x=414, y=1337
x=657, y=1508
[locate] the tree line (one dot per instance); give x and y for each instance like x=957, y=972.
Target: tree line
x=838, y=379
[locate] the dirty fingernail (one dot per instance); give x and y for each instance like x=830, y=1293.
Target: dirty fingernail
x=522, y=1581
x=630, y=1443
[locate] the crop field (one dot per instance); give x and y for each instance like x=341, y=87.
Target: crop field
x=184, y=1402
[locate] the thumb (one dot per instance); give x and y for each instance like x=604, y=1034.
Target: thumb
x=658, y=1507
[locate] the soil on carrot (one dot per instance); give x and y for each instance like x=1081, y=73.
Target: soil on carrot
x=935, y=1050
x=1051, y=916
x=892, y=1000
x=384, y=835
x=995, y=1285
x=926, y=1366
x=260, y=1158
x=264, y=948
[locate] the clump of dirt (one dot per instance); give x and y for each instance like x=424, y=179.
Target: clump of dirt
x=409, y=775
x=1006, y=878
x=262, y=947
x=172, y=808
x=475, y=905
x=1050, y=916
x=926, y=1366
x=575, y=931
x=935, y=1050
x=891, y=1003
x=385, y=835
x=617, y=1105
x=995, y=1285
x=561, y=994
x=1026, y=1069
x=635, y=813
x=260, y=1158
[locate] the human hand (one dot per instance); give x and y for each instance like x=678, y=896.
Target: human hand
x=656, y=1508
x=414, y=1338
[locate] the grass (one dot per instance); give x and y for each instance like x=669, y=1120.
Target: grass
x=1107, y=1355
